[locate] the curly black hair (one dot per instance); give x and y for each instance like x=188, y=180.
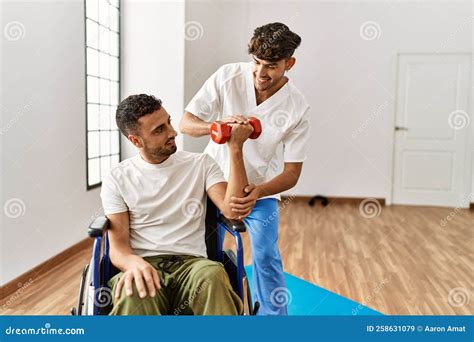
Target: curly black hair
x=133, y=108
x=273, y=42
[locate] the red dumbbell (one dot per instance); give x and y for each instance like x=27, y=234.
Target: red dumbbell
x=220, y=131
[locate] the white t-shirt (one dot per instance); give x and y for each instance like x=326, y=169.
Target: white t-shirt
x=166, y=202
x=284, y=117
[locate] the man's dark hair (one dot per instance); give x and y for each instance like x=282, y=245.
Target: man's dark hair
x=273, y=42
x=133, y=108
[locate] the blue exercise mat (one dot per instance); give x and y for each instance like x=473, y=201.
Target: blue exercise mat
x=306, y=299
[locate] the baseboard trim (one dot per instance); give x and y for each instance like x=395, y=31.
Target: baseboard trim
x=340, y=200
x=36, y=272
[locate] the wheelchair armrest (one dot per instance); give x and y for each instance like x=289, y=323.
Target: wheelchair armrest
x=236, y=226
x=98, y=226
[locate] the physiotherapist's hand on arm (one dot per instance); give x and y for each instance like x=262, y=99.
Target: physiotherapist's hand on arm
x=237, y=118
x=284, y=181
x=294, y=151
x=135, y=268
x=222, y=193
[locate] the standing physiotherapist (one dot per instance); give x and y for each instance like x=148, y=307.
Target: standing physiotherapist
x=274, y=160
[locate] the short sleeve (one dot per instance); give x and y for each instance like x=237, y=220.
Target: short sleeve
x=206, y=104
x=213, y=172
x=295, y=143
x=112, y=199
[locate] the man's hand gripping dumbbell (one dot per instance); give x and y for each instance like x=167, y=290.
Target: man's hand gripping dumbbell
x=221, y=130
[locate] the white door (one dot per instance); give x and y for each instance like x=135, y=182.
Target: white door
x=432, y=154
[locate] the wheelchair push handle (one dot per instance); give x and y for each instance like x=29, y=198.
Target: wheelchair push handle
x=236, y=226
x=98, y=226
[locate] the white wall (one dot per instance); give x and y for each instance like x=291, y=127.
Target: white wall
x=153, y=56
x=216, y=32
x=348, y=81
x=42, y=133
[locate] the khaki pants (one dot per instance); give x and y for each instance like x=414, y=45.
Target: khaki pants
x=189, y=286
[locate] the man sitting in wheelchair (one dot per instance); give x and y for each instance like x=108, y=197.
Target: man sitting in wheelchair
x=156, y=205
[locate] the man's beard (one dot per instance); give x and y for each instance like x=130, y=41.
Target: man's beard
x=160, y=152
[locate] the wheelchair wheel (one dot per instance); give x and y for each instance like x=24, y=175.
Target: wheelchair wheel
x=249, y=308
x=230, y=263
x=88, y=307
x=85, y=303
x=90, y=301
x=247, y=297
x=79, y=309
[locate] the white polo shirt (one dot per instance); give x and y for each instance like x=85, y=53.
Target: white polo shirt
x=284, y=117
x=166, y=202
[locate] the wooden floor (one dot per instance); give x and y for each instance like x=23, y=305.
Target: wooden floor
x=403, y=261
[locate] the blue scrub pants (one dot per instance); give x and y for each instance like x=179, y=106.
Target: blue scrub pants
x=268, y=281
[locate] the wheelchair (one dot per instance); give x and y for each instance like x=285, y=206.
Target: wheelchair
x=95, y=297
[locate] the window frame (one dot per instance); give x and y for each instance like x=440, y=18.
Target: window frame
x=119, y=81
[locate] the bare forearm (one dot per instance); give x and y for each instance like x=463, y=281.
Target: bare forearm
x=193, y=126
x=237, y=174
x=283, y=182
x=122, y=256
x=237, y=180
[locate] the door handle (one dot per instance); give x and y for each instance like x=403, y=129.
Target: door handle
x=398, y=128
